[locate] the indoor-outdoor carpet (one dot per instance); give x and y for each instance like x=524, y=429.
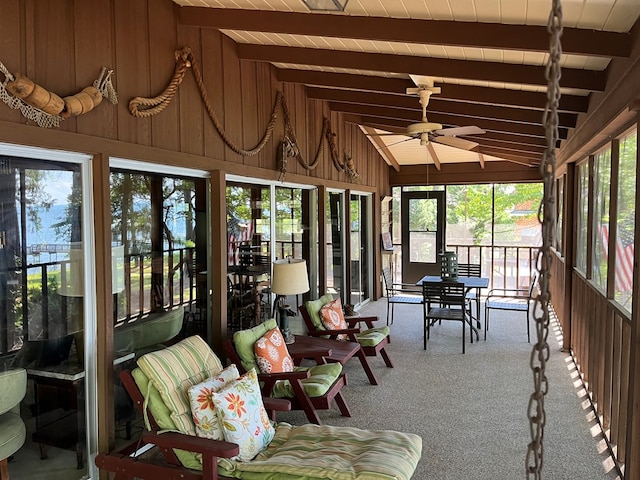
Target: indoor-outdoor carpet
x=471, y=409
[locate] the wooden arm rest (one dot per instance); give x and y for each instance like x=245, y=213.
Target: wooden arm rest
x=341, y=331
x=317, y=354
x=367, y=320
x=273, y=377
x=191, y=443
x=276, y=404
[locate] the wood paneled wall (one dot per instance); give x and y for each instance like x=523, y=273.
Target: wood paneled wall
x=601, y=347
x=62, y=44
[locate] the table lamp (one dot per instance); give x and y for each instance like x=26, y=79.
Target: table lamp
x=289, y=278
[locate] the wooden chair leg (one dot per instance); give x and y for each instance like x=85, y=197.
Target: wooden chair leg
x=367, y=368
x=305, y=402
x=385, y=357
x=342, y=405
x=4, y=469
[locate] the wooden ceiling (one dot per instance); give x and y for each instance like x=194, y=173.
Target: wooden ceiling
x=487, y=56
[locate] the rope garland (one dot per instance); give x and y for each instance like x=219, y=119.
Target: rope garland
x=142, y=107
x=38, y=109
x=546, y=215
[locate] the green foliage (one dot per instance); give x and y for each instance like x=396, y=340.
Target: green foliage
x=472, y=205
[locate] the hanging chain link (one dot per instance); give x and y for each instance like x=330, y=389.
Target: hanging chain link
x=546, y=216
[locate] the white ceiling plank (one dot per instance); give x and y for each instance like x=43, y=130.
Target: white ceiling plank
x=417, y=9
x=619, y=19
x=512, y=11
x=463, y=10
x=440, y=10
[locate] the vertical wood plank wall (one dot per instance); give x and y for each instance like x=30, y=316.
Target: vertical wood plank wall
x=601, y=347
x=63, y=44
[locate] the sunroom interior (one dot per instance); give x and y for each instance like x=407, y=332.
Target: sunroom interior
x=228, y=134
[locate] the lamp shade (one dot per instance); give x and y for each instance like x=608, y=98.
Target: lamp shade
x=289, y=277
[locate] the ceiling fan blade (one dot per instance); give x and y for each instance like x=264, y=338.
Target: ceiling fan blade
x=460, y=131
x=382, y=134
x=401, y=141
x=456, y=142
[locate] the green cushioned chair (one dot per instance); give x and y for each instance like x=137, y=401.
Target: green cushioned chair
x=158, y=390
x=13, y=386
x=373, y=339
x=308, y=388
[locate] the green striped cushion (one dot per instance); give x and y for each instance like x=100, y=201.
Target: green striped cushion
x=373, y=336
x=176, y=368
x=319, y=381
x=314, y=306
x=312, y=452
x=162, y=416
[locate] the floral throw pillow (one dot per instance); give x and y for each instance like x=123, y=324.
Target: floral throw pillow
x=245, y=421
x=333, y=318
x=203, y=411
x=272, y=355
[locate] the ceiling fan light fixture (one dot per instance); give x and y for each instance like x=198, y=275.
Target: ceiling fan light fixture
x=326, y=5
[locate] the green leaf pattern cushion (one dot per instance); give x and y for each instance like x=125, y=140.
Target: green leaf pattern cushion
x=205, y=415
x=245, y=421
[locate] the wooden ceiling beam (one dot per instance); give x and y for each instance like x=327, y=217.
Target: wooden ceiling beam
x=438, y=106
x=453, y=92
x=418, y=65
x=418, y=31
x=491, y=143
x=382, y=148
x=533, y=160
x=444, y=119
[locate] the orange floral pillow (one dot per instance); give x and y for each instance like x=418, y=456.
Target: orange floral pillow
x=271, y=353
x=333, y=318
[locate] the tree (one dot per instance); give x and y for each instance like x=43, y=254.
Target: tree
x=472, y=205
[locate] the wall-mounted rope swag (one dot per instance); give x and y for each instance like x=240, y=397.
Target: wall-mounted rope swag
x=289, y=146
x=46, y=108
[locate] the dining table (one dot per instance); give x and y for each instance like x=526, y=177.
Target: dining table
x=470, y=283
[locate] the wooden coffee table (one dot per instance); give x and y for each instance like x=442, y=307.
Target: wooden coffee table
x=340, y=352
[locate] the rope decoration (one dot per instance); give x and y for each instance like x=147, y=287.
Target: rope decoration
x=46, y=108
x=546, y=215
x=142, y=107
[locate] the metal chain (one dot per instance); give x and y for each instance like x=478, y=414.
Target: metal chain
x=546, y=216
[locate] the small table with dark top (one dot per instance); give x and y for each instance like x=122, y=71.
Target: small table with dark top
x=341, y=351
x=59, y=397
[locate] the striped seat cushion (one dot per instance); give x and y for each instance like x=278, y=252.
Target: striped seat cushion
x=506, y=304
x=313, y=452
x=406, y=299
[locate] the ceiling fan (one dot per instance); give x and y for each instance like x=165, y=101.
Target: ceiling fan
x=427, y=131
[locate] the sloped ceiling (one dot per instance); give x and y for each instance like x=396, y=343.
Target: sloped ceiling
x=487, y=56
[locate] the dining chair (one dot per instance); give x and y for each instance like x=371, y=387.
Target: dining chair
x=399, y=293
x=444, y=301
x=471, y=270
x=510, y=299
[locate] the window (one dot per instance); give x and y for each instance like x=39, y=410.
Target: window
x=559, y=238
x=582, y=214
x=625, y=220
x=601, y=191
